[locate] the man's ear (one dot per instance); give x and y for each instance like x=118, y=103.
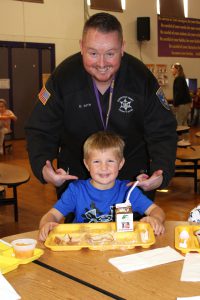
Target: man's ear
x=86, y=165
x=123, y=48
x=121, y=163
x=81, y=45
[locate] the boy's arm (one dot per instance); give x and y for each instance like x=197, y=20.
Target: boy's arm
x=155, y=217
x=48, y=222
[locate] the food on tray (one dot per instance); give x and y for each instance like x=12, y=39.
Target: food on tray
x=197, y=233
x=67, y=239
x=144, y=234
x=62, y=240
x=184, y=236
x=24, y=248
x=100, y=238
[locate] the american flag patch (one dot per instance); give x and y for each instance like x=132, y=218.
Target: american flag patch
x=44, y=95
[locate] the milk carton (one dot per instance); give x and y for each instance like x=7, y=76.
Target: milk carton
x=124, y=217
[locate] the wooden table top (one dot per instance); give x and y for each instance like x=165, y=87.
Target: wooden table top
x=12, y=174
x=156, y=283
x=190, y=153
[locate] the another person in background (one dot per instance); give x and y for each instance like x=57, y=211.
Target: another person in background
x=196, y=108
x=102, y=88
x=93, y=200
x=6, y=116
x=181, y=94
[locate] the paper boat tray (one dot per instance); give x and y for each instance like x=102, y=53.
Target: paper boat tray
x=192, y=243
x=99, y=236
x=8, y=262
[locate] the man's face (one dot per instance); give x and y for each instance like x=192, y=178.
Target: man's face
x=102, y=54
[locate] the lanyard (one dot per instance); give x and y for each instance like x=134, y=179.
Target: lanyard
x=105, y=124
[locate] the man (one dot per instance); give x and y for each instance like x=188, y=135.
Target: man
x=102, y=88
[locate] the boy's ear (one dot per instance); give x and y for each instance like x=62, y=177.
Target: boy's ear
x=85, y=163
x=121, y=163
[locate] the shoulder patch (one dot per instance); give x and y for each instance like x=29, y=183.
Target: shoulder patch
x=161, y=96
x=44, y=95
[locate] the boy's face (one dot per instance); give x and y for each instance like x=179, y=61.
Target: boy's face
x=2, y=107
x=104, y=167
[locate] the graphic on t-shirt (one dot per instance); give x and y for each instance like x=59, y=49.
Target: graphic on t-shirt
x=94, y=215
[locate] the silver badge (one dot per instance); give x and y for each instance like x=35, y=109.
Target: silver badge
x=125, y=104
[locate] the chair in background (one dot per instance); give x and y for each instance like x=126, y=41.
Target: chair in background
x=7, y=143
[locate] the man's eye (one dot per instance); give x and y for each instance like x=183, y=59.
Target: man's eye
x=110, y=54
x=94, y=54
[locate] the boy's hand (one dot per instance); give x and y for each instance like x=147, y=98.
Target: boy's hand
x=155, y=223
x=45, y=229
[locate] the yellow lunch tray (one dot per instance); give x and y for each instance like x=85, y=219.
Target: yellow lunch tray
x=84, y=231
x=191, y=244
x=8, y=262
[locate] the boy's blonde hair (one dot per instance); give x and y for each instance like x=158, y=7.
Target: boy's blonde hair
x=3, y=101
x=104, y=140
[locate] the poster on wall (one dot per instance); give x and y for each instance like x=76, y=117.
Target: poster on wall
x=160, y=72
x=178, y=37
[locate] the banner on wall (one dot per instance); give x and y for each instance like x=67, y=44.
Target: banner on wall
x=178, y=37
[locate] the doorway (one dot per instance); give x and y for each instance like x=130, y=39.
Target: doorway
x=22, y=71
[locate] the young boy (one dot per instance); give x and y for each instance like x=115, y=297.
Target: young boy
x=93, y=200
x=6, y=115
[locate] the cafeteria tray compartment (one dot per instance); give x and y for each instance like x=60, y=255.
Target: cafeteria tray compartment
x=99, y=236
x=187, y=238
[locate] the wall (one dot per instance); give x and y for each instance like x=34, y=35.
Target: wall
x=61, y=22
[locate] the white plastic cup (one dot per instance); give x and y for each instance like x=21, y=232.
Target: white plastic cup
x=24, y=248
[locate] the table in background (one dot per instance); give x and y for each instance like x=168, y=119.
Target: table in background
x=188, y=155
x=12, y=176
x=156, y=283
x=182, y=129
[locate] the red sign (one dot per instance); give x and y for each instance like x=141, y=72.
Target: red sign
x=178, y=37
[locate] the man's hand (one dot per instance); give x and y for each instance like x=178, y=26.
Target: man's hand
x=150, y=183
x=56, y=177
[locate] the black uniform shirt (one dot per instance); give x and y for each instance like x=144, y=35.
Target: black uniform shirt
x=67, y=113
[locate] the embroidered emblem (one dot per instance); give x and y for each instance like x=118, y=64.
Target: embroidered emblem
x=125, y=104
x=44, y=95
x=161, y=97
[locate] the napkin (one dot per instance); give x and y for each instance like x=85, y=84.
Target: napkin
x=145, y=259
x=191, y=267
x=7, y=292
x=189, y=298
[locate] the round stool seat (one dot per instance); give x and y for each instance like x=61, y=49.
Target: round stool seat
x=183, y=143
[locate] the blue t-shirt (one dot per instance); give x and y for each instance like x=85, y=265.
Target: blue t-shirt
x=91, y=205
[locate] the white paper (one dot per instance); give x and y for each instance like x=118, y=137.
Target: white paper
x=191, y=267
x=146, y=259
x=189, y=298
x=7, y=292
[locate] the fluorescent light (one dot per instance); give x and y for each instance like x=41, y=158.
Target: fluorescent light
x=123, y=4
x=88, y=2
x=158, y=7
x=185, y=5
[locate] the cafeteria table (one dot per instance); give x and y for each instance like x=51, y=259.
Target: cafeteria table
x=87, y=274
x=12, y=176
